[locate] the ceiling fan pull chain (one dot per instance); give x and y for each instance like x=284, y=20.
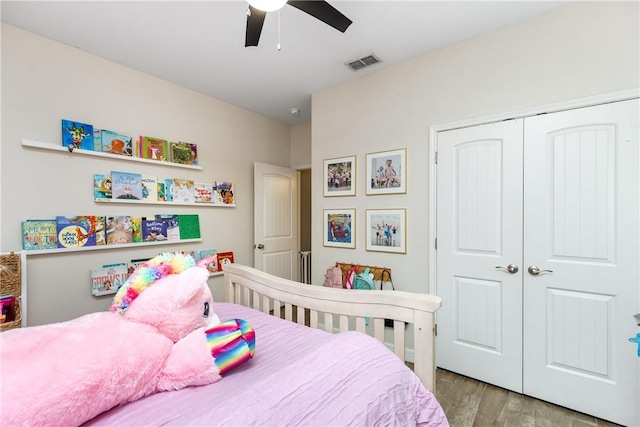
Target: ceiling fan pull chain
x=278, y=31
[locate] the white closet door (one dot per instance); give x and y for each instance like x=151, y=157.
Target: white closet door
x=479, y=228
x=581, y=222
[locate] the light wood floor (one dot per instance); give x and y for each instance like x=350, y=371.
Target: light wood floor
x=468, y=402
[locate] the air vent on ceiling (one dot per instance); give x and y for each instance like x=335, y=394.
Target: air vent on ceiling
x=358, y=64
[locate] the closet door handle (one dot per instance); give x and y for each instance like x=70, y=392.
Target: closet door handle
x=511, y=268
x=534, y=270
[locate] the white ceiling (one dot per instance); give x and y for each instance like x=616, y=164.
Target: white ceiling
x=200, y=44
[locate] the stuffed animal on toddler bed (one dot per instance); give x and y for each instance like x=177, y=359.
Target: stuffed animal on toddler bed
x=160, y=334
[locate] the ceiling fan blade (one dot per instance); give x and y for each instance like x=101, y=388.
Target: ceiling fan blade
x=255, y=21
x=324, y=12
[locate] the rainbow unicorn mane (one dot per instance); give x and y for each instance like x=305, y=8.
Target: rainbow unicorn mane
x=147, y=273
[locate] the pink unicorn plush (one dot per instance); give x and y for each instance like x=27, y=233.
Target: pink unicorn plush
x=160, y=334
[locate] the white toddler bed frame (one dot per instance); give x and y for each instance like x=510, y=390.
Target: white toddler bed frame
x=253, y=288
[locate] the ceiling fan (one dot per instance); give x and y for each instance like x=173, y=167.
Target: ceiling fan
x=320, y=10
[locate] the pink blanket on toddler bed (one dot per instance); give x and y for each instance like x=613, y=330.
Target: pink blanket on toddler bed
x=299, y=376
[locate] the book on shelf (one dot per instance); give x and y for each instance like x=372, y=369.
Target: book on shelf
x=154, y=230
x=135, y=263
x=39, y=234
x=77, y=135
x=184, y=153
x=192, y=254
x=80, y=231
x=153, y=148
x=97, y=139
x=183, y=191
x=107, y=279
x=162, y=194
x=173, y=225
x=116, y=143
x=136, y=229
x=212, y=265
x=189, y=226
x=224, y=258
x=168, y=190
x=149, y=188
x=101, y=186
x=126, y=185
x=224, y=193
x=119, y=230
x=8, y=304
x=203, y=192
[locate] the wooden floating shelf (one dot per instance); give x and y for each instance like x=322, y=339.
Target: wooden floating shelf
x=107, y=247
x=52, y=147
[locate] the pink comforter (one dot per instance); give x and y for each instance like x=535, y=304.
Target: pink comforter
x=298, y=377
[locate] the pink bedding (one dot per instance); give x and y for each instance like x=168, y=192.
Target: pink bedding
x=299, y=376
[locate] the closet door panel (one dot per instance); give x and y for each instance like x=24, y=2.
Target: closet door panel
x=581, y=215
x=479, y=229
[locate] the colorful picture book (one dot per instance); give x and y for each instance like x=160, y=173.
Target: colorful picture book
x=189, y=226
x=116, y=143
x=154, y=230
x=97, y=139
x=135, y=263
x=101, y=186
x=77, y=135
x=153, y=148
x=107, y=279
x=184, y=153
x=173, y=226
x=212, y=265
x=149, y=188
x=119, y=230
x=203, y=192
x=168, y=190
x=136, y=229
x=162, y=193
x=39, y=234
x=126, y=185
x=224, y=193
x=183, y=191
x=192, y=254
x=80, y=231
x=224, y=258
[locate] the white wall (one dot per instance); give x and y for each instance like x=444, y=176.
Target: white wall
x=44, y=81
x=584, y=49
x=301, y=146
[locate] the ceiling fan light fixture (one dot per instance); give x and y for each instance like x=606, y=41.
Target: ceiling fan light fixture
x=267, y=5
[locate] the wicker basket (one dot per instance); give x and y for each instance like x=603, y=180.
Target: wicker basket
x=377, y=271
x=11, y=283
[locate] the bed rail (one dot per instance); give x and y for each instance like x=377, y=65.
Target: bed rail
x=253, y=288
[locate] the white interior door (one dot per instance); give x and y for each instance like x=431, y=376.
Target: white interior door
x=581, y=222
x=276, y=220
x=479, y=230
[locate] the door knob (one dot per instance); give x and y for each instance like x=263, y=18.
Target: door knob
x=259, y=246
x=511, y=268
x=534, y=270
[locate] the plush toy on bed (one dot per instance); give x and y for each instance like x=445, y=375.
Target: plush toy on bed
x=160, y=334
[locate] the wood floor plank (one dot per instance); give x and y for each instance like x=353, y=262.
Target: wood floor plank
x=469, y=403
x=494, y=400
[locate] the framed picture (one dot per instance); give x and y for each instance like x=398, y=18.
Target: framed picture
x=340, y=177
x=387, y=172
x=339, y=228
x=386, y=230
